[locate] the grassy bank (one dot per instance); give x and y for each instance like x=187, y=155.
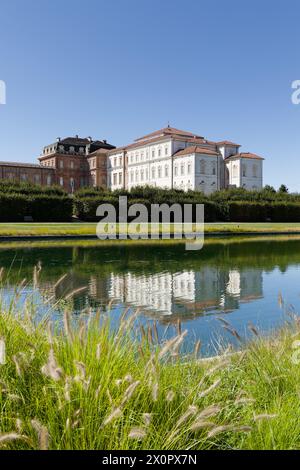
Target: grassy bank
x=89, y=389
x=89, y=229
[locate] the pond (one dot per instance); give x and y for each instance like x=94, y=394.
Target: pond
x=238, y=280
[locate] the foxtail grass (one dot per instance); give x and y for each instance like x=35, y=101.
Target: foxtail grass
x=92, y=387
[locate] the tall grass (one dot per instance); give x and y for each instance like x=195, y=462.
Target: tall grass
x=93, y=388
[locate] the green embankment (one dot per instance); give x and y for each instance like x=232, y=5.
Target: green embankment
x=89, y=229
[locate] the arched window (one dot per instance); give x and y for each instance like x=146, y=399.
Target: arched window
x=153, y=173
x=182, y=168
x=159, y=171
x=214, y=169
x=235, y=171
x=166, y=171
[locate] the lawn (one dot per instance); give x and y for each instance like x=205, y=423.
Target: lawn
x=89, y=229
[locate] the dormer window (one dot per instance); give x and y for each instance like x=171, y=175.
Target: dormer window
x=72, y=149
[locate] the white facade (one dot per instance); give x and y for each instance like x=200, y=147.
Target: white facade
x=171, y=158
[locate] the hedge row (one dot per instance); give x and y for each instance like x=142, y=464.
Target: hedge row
x=14, y=187
x=234, y=211
x=41, y=208
x=241, y=211
x=86, y=208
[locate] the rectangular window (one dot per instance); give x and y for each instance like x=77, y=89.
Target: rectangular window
x=61, y=181
x=61, y=164
x=120, y=178
x=115, y=179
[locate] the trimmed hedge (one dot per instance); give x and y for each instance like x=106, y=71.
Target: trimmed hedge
x=14, y=187
x=42, y=208
x=231, y=210
x=85, y=208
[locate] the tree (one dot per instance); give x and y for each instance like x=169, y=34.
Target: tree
x=269, y=189
x=283, y=189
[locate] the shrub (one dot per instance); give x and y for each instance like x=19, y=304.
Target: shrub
x=45, y=208
x=85, y=208
x=42, y=208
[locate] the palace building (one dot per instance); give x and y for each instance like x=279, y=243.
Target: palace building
x=168, y=158
x=172, y=158
x=72, y=163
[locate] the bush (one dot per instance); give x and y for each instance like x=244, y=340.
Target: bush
x=85, y=208
x=42, y=208
x=244, y=211
x=13, y=207
x=9, y=187
x=235, y=205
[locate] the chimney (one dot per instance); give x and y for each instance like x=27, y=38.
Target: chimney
x=77, y=136
x=104, y=141
x=90, y=139
x=58, y=139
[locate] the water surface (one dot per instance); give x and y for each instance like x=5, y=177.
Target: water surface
x=239, y=281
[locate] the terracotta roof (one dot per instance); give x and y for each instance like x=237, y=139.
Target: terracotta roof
x=25, y=165
x=193, y=140
x=168, y=131
x=227, y=142
x=195, y=149
x=246, y=155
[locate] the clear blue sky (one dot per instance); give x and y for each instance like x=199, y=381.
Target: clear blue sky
x=118, y=69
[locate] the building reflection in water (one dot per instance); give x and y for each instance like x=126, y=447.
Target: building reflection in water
x=166, y=295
